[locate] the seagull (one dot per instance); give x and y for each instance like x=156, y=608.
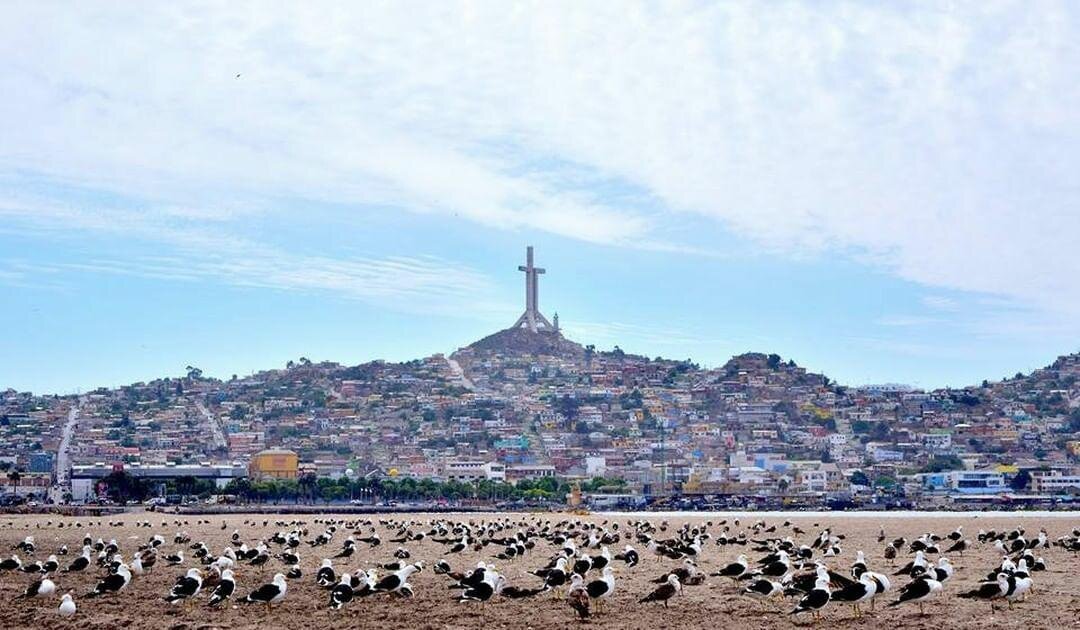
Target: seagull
x=484, y=590
x=1018, y=588
x=578, y=597
x=919, y=590
x=881, y=584
x=113, y=583
x=557, y=576
x=815, y=600
x=763, y=589
x=67, y=606
x=735, y=570
x=80, y=563
x=342, y=593
x=778, y=567
x=269, y=594
x=186, y=587
x=629, y=556
x=39, y=588
x=943, y=571
x=603, y=588
x=958, y=547
x=397, y=580
x=348, y=549
x=325, y=577
x=51, y=564
x=915, y=567
x=225, y=588
x=863, y=590
x=664, y=592
x=363, y=584
x=859, y=566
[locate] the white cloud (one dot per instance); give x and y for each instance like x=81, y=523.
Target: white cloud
x=908, y=321
x=631, y=337
x=409, y=283
x=940, y=303
x=935, y=141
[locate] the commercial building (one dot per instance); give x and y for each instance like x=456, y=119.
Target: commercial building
x=1056, y=484
x=274, y=463
x=474, y=471
x=529, y=471
x=965, y=481
x=85, y=478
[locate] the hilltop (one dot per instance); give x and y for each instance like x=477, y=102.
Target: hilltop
x=519, y=341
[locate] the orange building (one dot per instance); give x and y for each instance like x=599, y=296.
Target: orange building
x=274, y=463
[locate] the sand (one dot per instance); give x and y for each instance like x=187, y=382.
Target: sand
x=1055, y=602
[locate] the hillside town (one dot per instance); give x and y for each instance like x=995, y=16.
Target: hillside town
x=522, y=406
x=526, y=415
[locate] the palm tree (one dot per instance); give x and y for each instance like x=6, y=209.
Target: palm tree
x=14, y=476
x=307, y=483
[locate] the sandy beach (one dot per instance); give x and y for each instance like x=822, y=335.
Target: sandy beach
x=1055, y=601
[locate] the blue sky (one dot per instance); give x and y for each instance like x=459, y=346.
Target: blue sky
x=882, y=194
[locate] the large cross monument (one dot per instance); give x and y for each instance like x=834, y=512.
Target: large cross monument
x=532, y=319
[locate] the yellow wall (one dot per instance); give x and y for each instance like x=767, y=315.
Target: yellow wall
x=275, y=465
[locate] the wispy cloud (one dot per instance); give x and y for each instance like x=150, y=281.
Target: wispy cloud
x=634, y=336
x=940, y=303
x=908, y=321
x=935, y=143
x=199, y=253
x=906, y=347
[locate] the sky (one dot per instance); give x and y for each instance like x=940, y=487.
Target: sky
x=883, y=192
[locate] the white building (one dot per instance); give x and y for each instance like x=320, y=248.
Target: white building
x=595, y=466
x=474, y=471
x=1056, y=483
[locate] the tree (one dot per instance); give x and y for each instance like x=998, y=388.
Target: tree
x=122, y=486
x=879, y=431
x=14, y=476
x=240, y=487
x=1021, y=481
x=1074, y=421
x=773, y=361
x=885, y=482
x=942, y=463
x=859, y=478
x=306, y=485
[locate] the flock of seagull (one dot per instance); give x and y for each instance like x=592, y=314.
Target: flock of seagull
x=577, y=562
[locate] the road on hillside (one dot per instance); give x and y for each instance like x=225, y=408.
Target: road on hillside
x=63, y=467
x=216, y=430
x=456, y=368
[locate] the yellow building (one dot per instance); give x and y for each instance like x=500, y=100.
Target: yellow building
x=274, y=463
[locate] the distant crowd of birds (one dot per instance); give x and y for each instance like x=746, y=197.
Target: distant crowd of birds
x=579, y=565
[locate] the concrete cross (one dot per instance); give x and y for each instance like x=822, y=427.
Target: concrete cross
x=532, y=319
